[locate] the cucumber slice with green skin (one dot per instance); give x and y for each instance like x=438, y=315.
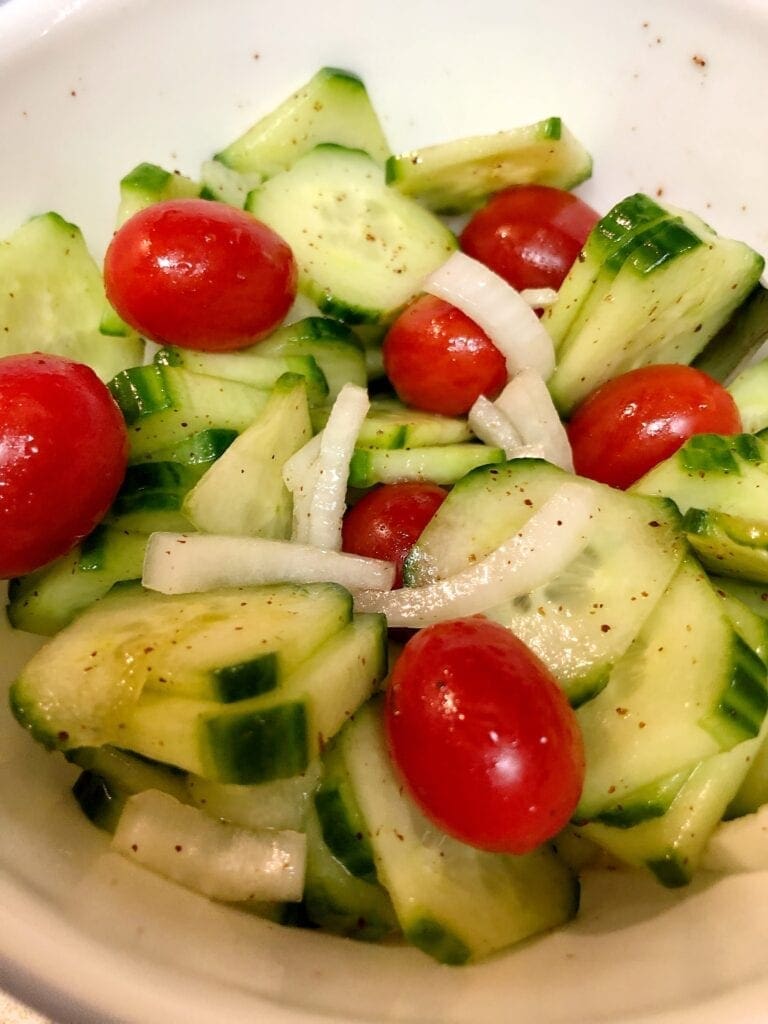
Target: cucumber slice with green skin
x=671, y=846
x=454, y=902
x=226, y=185
x=456, y=177
x=343, y=826
x=722, y=474
x=337, y=901
x=166, y=405
x=202, y=448
x=736, y=342
x=211, y=857
x=439, y=464
x=48, y=600
x=249, y=366
x=671, y=295
x=332, y=345
x=615, y=583
x=362, y=249
x=390, y=424
x=203, y=642
x=283, y=803
x=152, y=494
x=639, y=729
x=749, y=391
x=269, y=737
x=729, y=545
x=53, y=298
x=333, y=106
x=243, y=493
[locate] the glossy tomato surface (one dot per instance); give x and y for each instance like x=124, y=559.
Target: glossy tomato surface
x=631, y=423
x=200, y=275
x=63, y=452
x=388, y=521
x=483, y=736
x=439, y=360
x=530, y=235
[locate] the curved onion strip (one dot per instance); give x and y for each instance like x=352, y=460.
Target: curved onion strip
x=181, y=563
x=549, y=541
x=498, y=308
x=336, y=448
x=494, y=428
x=539, y=298
x=528, y=405
x=297, y=467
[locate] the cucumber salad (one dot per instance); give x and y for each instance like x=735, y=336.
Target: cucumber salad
x=395, y=527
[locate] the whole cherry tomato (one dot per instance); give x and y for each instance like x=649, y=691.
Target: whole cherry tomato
x=439, y=360
x=530, y=235
x=483, y=736
x=199, y=274
x=63, y=452
x=631, y=423
x=388, y=521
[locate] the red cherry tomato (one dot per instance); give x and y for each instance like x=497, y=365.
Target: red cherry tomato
x=200, y=275
x=388, y=521
x=439, y=360
x=483, y=736
x=63, y=451
x=631, y=423
x=530, y=235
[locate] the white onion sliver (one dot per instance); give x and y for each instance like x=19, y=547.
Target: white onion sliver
x=336, y=449
x=181, y=563
x=303, y=495
x=539, y=298
x=549, y=541
x=527, y=403
x=498, y=308
x=492, y=427
x=297, y=467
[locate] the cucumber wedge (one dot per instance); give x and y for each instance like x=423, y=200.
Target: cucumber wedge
x=440, y=464
x=455, y=177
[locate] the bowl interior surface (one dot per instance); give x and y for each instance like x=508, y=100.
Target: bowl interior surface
x=662, y=95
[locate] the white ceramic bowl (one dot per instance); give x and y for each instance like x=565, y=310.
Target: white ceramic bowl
x=666, y=96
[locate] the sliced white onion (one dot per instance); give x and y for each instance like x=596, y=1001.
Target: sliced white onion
x=337, y=445
x=498, y=308
x=492, y=427
x=549, y=541
x=297, y=467
x=528, y=405
x=188, y=563
x=211, y=856
x=539, y=298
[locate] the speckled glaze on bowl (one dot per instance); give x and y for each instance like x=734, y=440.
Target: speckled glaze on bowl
x=665, y=95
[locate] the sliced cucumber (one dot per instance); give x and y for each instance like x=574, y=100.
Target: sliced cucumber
x=49, y=599
x=584, y=620
x=455, y=177
x=333, y=106
x=226, y=185
x=53, y=298
x=363, y=249
x=440, y=464
x=199, y=449
x=729, y=545
x=454, y=902
x=332, y=345
x=737, y=342
x=641, y=730
x=165, y=405
x=344, y=829
x=243, y=493
x=147, y=184
x=390, y=424
x=133, y=637
x=282, y=803
x=269, y=737
x=750, y=393
x=151, y=496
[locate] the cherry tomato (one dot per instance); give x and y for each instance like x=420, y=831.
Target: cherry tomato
x=483, y=736
x=439, y=360
x=631, y=423
x=530, y=235
x=63, y=452
x=200, y=275
x=388, y=521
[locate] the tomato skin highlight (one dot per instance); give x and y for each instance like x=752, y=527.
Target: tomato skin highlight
x=484, y=738
x=200, y=275
x=530, y=234
x=388, y=521
x=439, y=360
x=63, y=453
x=631, y=423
